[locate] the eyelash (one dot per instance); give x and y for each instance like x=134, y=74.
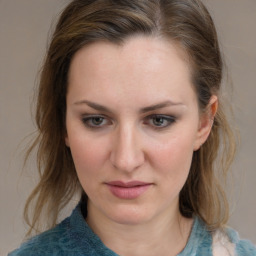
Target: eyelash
x=88, y=119
x=169, y=120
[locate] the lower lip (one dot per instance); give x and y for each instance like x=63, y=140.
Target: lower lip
x=128, y=192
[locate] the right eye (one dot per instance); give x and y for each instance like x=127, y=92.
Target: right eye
x=95, y=121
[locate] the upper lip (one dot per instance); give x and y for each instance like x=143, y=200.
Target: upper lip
x=127, y=184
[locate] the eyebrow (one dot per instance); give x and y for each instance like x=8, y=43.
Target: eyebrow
x=164, y=104
x=102, y=108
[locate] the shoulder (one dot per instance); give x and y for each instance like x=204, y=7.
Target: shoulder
x=72, y=237
x=227, y=242
x=243, y=247
x=52, y=242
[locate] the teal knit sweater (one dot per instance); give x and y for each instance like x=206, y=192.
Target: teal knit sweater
x=73, y=237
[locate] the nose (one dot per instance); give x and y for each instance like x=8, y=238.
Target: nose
x=127, y=152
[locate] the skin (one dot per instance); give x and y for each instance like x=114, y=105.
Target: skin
x=127, y=144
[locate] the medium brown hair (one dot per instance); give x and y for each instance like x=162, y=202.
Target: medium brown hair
x=186, y=22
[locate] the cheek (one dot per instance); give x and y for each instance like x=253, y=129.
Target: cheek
x=89, y=158
x=87, y=154
x=173, y=159
x=174, y=150
x=172, y=164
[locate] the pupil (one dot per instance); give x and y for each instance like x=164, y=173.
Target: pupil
x=158, y=121
x=97, y=120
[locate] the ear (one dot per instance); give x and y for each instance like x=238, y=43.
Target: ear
x=206, y=122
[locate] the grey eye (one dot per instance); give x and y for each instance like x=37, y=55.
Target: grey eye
x=97, y=120
x=159, y=121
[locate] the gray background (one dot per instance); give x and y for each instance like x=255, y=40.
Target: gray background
x=24, y=29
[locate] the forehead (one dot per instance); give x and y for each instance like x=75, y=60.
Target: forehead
x=140, y=66
x=139, y=49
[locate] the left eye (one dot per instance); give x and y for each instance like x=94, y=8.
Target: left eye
x=160, y=121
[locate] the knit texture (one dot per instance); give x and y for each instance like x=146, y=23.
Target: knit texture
x=73, y=237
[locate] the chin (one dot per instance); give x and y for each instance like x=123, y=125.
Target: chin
x=130, y=215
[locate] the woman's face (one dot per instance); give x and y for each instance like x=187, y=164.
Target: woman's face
x=132, y=125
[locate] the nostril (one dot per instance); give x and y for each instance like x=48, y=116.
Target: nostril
x=128, y=161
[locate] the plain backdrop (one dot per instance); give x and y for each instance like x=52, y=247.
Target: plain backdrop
x=24, y=31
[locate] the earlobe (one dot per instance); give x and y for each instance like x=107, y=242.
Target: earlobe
x=206, y=122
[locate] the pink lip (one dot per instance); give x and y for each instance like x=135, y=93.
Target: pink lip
x=128, y=190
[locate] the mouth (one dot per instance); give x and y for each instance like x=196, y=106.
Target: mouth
x=128, y=190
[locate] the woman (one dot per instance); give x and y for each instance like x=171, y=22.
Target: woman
x=130, y=116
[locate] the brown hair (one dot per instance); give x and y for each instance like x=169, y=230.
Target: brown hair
x=186, y=22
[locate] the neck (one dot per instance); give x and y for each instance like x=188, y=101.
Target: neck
x=161, y=236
